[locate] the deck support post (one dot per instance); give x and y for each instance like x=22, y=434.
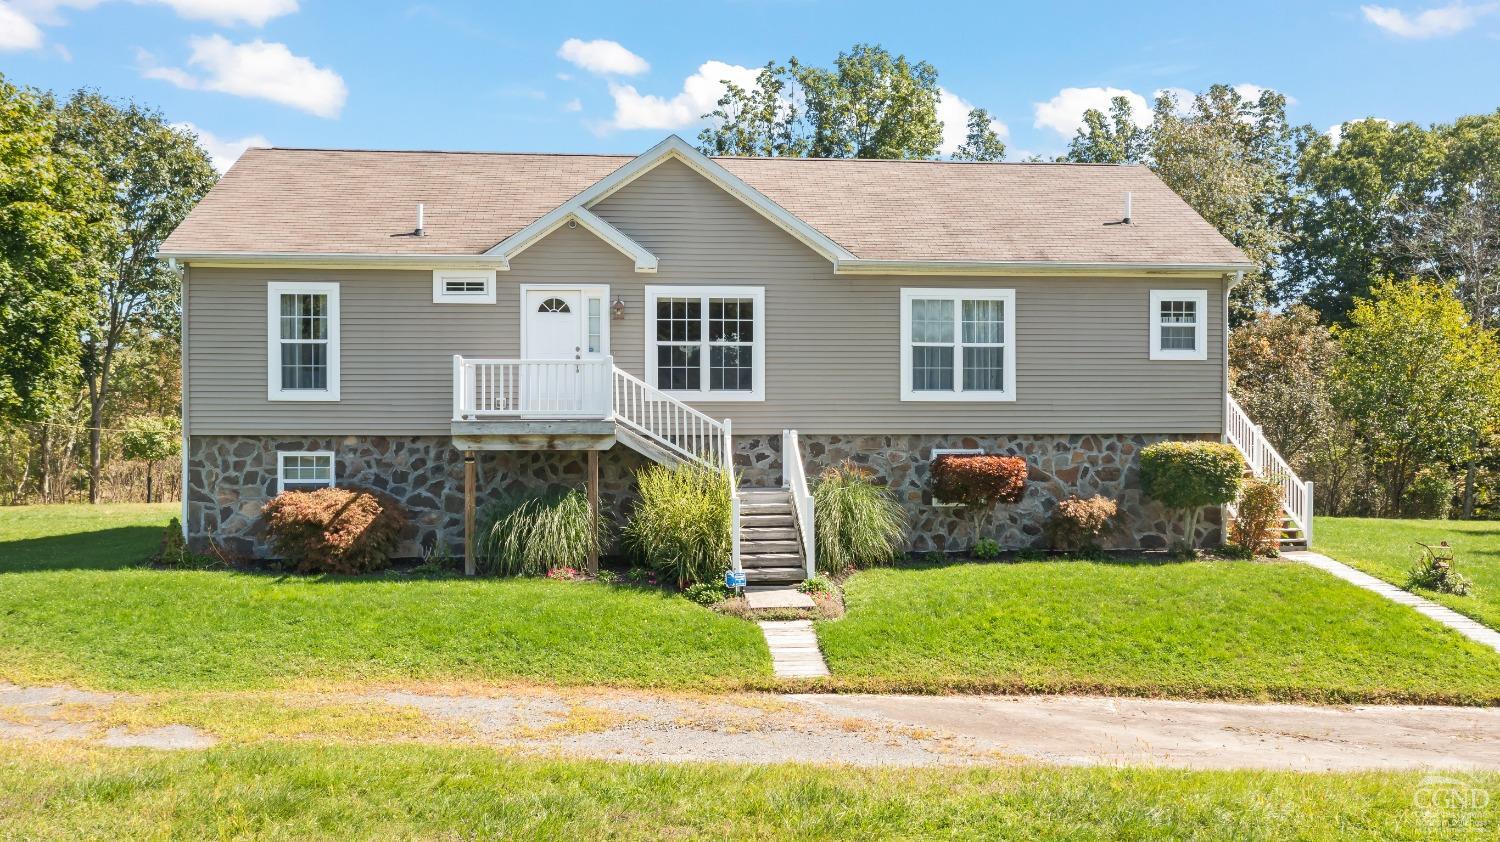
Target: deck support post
x=594, y=512
x=469, y=567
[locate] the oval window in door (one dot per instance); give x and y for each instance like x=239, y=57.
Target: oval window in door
x=554, y=305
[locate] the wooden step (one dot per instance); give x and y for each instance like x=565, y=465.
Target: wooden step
x=767, y=533
x=770, y=560
x=765, y=575
x=762, y=493
x=750, y=548
x=765, y=521
x=764, y=509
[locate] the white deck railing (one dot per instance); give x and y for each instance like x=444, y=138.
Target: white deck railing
x=794, y=477
x=1296, y=495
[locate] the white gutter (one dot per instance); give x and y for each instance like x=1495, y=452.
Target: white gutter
x=331, y=259
x=859, y=266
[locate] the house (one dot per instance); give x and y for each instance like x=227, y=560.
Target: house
x=445, y=327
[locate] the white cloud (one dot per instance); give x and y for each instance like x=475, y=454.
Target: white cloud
x=953, y=112
x=574, y=104
x=700, y=95
x=1429, y=23
x=1336, y=132
x=1064, y=112
x=259, y=69
x=230, y=12
x=222, y=150
x=601, y=56
x=17, y=32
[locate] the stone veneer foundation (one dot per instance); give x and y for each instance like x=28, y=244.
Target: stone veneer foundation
x=231, y=477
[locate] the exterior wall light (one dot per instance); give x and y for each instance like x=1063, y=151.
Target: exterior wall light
x=617, y=309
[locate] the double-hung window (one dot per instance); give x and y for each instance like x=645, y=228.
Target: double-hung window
x=303, y=470
x=707, y=342
x=1179, y=324
x=302, y=356
x=958, y=345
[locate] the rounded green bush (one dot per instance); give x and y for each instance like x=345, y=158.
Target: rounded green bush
x=1188, y=475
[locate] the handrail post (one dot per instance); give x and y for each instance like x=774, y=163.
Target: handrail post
x=458, y=387
x=734, y=498
x=1307, y=528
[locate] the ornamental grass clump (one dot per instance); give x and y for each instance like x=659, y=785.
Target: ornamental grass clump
x=680, y=526
x=532, y=536
x=335, y=530
x=1185, y=476
x=1257, y=516
x=1076, y=522
x=857, y=520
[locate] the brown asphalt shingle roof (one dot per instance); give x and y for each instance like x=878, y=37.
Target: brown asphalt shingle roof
x=364, y=202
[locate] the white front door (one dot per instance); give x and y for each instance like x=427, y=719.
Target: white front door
x=562, y=325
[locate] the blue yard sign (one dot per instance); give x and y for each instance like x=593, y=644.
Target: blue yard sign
x=734, y=578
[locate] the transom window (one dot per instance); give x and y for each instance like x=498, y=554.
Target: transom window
x=303, y=348
x=957, y=344
x=303, y=470
x=1179, y=324
x=554, y=305
x=707, y=341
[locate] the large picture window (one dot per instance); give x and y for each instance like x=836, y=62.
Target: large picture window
x=706, y=342
x=303, y=349
x=1179, y=324
x=958, y=344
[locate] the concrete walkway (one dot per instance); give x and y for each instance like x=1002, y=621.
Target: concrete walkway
x=1472, y=629
x=859, y=730
x=794, y=648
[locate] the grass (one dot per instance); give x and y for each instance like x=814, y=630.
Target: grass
x=74, y=612
x=1277, y=631
x=1385, y=549
x=296, y=791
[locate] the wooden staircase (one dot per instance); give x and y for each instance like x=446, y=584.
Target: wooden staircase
x=1262, y=460
x=770, y=546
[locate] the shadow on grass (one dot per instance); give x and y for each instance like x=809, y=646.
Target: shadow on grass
x=104, y=549
x=1138, y=559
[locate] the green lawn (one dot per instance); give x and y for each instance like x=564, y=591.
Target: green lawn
x=1385, y=549
x=1229, y=629
x=74, y=612
x=296, y=791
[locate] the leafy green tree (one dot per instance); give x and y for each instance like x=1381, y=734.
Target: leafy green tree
x=50, y=207
x=155, y=174
x=151, y=440
x=982, y=142
x=1111, y=139
x=1418, y=380
x=870, y=104
x=1279, y=367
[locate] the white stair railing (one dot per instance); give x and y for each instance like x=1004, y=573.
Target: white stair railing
x=1264, y=461
x=794, y=477
x=669, y=422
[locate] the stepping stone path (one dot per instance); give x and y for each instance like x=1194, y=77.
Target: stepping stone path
x=1471, y=629
x=794, y=649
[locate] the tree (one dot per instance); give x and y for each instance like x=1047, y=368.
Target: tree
x=870, y=104
x=982, y=143
x=1229, y=157
x=1279, y=366
x=1419, y=381
x=50, y=208
x=155, y=174
x=151, y=440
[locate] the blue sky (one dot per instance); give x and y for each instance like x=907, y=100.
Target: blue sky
x=616, y=77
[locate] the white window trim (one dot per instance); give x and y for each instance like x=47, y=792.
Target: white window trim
x=951, y=451
x=600, y=291
x=440, y=294
x=757, y=391
x=281, y=455
x=908, y=295
x=1200, y=333
x=274, y=291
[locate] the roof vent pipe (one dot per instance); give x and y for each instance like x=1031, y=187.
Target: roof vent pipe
x=421, y=231
x=1127, y=207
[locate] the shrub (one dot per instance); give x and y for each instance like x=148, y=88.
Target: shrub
x=979, y=480
x=1431, y=494
x=335, y=530
x=1257, y=516
x=986, y=549
x=174, y=552
x=816, y=585
x=857, y=520
x=706, y=593
x=529, y=536
x=1188, y=475
x=1435, y=573
x=1075, y=523
x=680, y=526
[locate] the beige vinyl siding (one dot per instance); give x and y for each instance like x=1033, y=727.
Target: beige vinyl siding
x=833, y=350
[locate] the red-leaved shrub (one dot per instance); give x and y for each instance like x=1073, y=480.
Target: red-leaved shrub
x=979, y=480
x=335, y=530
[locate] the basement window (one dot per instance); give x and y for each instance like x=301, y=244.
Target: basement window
x=463, y=286
x=303, y=470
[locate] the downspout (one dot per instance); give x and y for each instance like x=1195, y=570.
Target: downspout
x=182, y=368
